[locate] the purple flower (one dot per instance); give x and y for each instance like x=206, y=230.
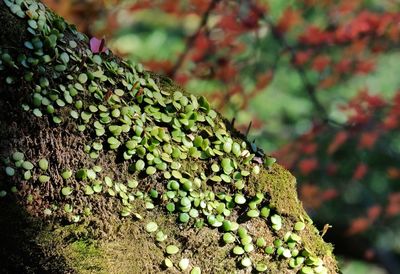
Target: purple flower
x=98, y=45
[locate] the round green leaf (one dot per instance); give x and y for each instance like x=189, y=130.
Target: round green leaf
x=66, y=191
x=151, y=227
x=172, y=249
x=43, y=164
x=27, y=165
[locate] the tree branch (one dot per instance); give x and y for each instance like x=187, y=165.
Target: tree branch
x=193, y=37
x=309, y=87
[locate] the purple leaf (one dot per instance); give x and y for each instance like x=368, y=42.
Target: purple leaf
x=257, y=160
x=97, y=45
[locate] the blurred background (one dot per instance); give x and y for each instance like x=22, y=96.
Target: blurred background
x=314, y=82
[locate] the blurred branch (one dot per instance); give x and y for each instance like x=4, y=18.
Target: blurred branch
x=193, y=37
x=309, y=87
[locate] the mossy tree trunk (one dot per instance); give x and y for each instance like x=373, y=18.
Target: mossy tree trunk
x=107, y=168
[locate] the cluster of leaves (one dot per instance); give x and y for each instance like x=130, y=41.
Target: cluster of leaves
x=316, y=78
x=350, y=174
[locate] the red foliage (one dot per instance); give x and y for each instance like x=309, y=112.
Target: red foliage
x=365, y=66
x=329, y=194
x=332, y=169
x=314, y=36
x=368, y=140
x=393, y=173
x=358, y=225
x=307, y=166
x=302, y=57
x=374, y=212
x=343, y=66
x=263, y=80
x=309, y=148
x=321, y=62
x=161, y=65
x=201, y=46
x=310, y=196
x=393, y=208
x=338, y=140
x=360, y=171
x=289, y=18
x=369, y=254
x=366, y=23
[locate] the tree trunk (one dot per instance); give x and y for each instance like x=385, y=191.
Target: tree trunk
x=107, y=168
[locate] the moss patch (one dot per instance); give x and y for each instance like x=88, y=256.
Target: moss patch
x=85, y=257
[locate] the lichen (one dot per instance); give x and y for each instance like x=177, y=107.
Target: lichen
x=109, y=147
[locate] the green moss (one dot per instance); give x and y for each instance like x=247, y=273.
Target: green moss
x=84, y=257
x=281, y=187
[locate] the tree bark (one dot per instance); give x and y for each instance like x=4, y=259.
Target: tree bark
x=105, y=165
